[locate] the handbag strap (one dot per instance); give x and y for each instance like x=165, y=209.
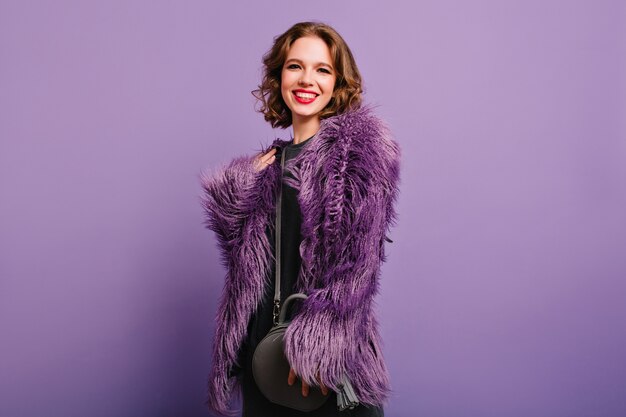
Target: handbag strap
x=289, y=300
x=277, y=234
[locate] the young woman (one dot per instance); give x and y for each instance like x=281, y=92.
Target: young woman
x=339, y=178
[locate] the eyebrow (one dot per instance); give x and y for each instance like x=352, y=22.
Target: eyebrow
x=318, y=63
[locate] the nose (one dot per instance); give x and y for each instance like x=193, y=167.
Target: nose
x=305, y=79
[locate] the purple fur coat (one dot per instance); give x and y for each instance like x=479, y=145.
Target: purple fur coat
x=348, y=179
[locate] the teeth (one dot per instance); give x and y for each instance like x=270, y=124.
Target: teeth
x=306, y=95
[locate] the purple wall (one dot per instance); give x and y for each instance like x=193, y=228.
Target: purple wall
x=504, y=292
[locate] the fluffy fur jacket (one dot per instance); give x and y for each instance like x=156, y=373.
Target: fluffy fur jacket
x=348, y=179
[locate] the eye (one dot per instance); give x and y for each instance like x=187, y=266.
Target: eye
x=293, y=65
x=325, y=70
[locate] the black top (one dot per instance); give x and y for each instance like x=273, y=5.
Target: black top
x=254, y=403
x=290, y=239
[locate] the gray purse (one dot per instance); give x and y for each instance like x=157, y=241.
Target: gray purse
x=270, y=367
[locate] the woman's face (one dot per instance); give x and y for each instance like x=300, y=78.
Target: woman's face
x=307, y=78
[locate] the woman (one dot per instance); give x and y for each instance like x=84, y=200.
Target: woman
x=339, y=185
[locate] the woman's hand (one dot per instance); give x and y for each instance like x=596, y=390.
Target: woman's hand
x=263, y=161
x=305, y=387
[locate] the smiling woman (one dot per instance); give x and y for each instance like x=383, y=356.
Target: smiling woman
x=335, y=184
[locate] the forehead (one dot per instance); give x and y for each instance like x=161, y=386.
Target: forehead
x=309, y=50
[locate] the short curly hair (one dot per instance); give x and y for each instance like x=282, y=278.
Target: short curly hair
x=348, y=85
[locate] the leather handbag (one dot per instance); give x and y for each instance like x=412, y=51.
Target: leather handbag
x=270, y=367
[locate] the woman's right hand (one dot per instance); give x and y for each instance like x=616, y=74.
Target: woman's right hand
x=264, y=160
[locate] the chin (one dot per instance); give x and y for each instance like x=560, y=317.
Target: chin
x=308, y=113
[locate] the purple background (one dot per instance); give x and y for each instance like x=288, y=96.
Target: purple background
x=504, y=291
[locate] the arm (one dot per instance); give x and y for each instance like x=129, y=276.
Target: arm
x=326, y=334
x=223, y=191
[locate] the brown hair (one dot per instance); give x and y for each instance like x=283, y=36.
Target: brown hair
x=348, y=88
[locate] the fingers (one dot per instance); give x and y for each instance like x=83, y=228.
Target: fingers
x=322, y=386
x=270, y=155
x=262, y=161
x=292, y=377
x=266, y=159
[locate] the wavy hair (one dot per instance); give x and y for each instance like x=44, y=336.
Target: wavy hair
x=348, y=85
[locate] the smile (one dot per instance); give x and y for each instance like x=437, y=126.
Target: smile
x=304, y=98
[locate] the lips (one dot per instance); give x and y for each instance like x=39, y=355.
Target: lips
x=306, y=97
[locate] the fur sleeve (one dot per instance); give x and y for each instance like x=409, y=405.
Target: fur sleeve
x=330, y=329
x=223, y=190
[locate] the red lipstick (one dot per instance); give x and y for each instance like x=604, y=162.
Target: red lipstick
x=304, y=100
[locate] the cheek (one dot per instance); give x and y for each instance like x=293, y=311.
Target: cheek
x=284, y=86
x=329, y=85
x=287, y=82
x=286, y=78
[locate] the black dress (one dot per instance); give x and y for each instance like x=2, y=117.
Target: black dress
x=254, y=403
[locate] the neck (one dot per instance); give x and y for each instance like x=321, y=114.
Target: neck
x=304, y=128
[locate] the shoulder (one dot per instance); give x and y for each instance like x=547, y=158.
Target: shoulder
x=366, y=141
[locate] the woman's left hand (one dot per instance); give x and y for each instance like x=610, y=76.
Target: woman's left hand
x=305, y=387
